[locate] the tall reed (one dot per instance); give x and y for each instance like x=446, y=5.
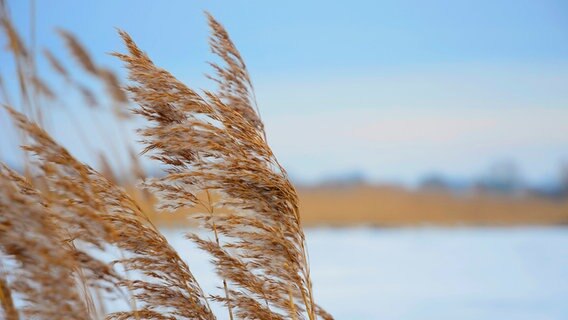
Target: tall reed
x=217, y=158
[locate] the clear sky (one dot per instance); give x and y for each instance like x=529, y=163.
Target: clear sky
x=392, y=89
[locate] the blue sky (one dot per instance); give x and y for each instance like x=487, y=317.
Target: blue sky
x=395, y=90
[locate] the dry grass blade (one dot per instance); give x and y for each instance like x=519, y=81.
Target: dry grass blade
x=79, y=52
x=7, y=302
x=87, y=63
x=56, y=64
x=106, y=169
x=89, y=97
x=22, y=58
x=113, y=85
x=42, y=88
x=15, y=44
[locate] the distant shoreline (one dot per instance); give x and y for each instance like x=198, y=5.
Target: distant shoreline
x=391, y=207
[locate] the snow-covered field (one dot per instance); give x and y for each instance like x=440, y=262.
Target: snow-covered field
x=429, y=273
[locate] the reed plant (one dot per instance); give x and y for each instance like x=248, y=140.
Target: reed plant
x=60, y=216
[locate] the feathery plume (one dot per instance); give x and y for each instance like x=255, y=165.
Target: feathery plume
x=170, y=289
x=56, y=64
x=214, y=143
x=235, y=86
x=79, y=52
x=30, y=239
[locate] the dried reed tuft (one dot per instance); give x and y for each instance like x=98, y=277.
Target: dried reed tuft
x=79, y=52
x=87, y=63
x=56, y=64
x=169, y=285
x=30, y=241
x=235, y=85
x=15, y=44
x=215, y=143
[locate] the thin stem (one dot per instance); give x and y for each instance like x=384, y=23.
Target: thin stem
x=210, y=209
x=292, y=304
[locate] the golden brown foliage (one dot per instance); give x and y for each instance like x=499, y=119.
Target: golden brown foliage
x=32, y=243
x=89, y=197
x=53, y=222
x=215, y=143
x=235, y=86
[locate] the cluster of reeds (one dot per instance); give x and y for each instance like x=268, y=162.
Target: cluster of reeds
x=60, y=214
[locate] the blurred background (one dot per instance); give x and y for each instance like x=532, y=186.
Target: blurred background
x=428, y=140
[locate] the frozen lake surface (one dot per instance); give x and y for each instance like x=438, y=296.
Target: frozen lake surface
x=429, y=273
